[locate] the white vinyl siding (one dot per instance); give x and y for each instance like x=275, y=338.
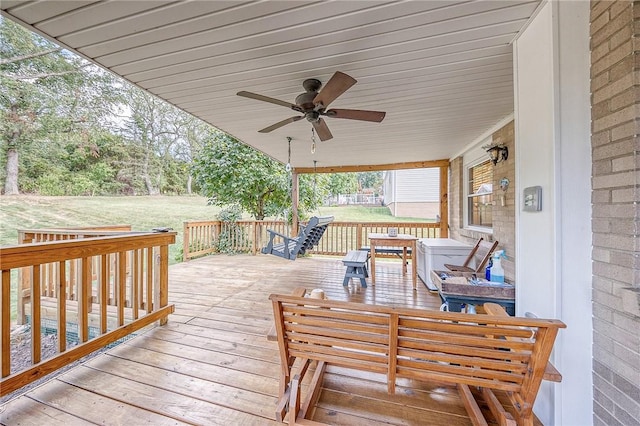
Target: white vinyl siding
x=412, y=186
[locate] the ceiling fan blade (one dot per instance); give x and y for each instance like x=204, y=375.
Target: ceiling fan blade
x=357, y=114
x=268, y=99
x=322, y=130
x=336, y=86
x=280, y=124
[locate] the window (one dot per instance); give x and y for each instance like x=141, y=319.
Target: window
x=480, y=198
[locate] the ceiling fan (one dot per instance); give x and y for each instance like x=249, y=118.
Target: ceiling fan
x=313, y=105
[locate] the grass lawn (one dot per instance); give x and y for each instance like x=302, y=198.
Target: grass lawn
x=142, y=213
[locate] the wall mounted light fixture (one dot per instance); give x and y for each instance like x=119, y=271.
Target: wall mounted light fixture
x=497, y=153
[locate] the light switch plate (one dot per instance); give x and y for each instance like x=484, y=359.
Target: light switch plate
x=532, y=198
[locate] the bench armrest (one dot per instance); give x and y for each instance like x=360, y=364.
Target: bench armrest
x=273, y=234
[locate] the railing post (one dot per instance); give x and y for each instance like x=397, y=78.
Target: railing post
x=358, y=237
x=256, y=227
x=185, y=242
x=164, y=281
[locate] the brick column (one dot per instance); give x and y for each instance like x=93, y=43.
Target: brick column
x=615, y=62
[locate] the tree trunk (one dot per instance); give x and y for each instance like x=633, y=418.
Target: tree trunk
x=151, y=190
x=189, y=181
x=11, y=182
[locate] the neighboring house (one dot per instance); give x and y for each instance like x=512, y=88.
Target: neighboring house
x=413, y=192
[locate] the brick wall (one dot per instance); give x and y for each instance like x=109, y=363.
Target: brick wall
x=615, y=64
x=503, y=216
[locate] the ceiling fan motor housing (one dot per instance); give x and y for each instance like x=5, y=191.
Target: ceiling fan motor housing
x=305, y=101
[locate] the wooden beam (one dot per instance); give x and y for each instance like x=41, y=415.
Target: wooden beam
x=444, y=201
x=314, y=390
x=475, y=414
x=374, y=167
x=504, y=417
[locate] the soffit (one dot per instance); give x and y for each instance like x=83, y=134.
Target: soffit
x=442, y=70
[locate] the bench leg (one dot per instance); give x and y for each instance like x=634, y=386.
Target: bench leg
x=348, y=275
x=356, y=272
x=362, y=274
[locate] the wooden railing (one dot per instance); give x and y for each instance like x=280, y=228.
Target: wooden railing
x=206, y=237
x=85, y=274
x=47, y=276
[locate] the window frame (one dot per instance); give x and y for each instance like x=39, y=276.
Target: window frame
x=467, y=196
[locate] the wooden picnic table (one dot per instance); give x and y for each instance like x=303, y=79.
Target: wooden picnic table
x=401, y=240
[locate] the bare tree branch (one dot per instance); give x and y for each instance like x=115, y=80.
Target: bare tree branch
x=43, y=75
x=29, y=56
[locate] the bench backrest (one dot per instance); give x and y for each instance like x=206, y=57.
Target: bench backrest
x=456, y=348
x=311, y=233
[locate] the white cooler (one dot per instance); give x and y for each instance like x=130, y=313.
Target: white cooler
x=433, y=253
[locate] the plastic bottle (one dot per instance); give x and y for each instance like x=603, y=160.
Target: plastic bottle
x=487, y=272
x=497, y=272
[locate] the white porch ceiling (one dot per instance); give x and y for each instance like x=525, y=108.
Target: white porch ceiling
x=441, y=69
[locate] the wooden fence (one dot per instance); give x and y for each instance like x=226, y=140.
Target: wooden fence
x=86, y=274
x=249, y=236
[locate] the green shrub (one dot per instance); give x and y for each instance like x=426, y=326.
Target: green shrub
x=230, y=231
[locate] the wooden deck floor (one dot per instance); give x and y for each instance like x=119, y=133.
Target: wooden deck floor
x=213, y=365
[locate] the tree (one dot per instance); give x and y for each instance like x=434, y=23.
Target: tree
x=194, y=133
x=370, y=180
x=229, y=172
x=48, y=95
x=342, y=183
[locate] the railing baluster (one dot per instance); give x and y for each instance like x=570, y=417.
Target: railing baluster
x=149, y=279
x=104, y=291
x=5, y=322
x=83, y=314
x=36, y=346
x=122, y=286
x=61, y=295
x=134, y=283
x=163, y=279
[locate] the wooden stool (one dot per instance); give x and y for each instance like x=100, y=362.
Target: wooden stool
x=356, y=263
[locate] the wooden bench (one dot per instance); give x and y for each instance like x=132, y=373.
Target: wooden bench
x=491, y=352
x=291, y=247
x=356, y=263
